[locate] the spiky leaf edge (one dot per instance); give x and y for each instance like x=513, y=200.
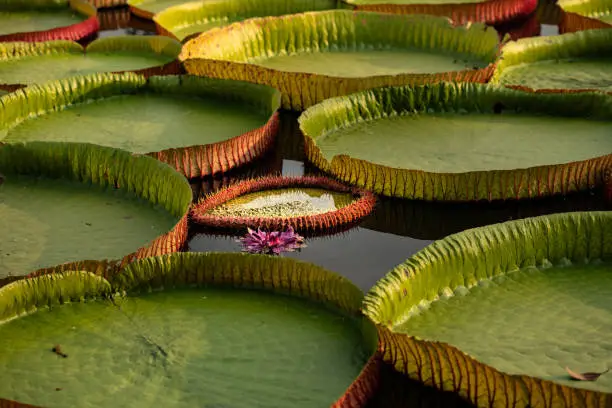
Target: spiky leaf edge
x=362, y=205
x=589, y=43
x=593, y=9
x=160, y=45
x=277, y=275
x=460, y=259
x=178, y=17
x=28, y=295
x=204, y=55
x=192, y=161
x=572, y=22
x=489, y=12
x=492, y=185
x=74, y=32
x=107, y=167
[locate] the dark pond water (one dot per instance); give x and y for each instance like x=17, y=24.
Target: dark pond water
x=396, y=230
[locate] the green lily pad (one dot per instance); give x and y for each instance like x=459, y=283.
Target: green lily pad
x=29, y=63
x=242, y=348
x=363, y=62
x=187, y=19
x=52, y=215
x=48, y=222
x=343, y=52
x=526, y=298
x=556, y=310
x=184, y=118
x=47, y=20
x=26, y=21
x=578, y=60
x=460, y=141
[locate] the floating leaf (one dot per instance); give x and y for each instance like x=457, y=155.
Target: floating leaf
x=588, y=376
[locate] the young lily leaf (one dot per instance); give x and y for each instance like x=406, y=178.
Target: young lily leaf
x=588, y=376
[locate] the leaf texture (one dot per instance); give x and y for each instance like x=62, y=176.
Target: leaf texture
x=215, y=54
x=86, y=163
x=582, y=44
x=530, y=182
x=362, y=205
x=74, y=32
x=464, y=259
x=159, y=45
x=448, y=369
x=192, y=161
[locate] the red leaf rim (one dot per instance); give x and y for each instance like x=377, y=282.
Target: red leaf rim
x=532, y=27
x=359, y=208
x=572, y=22
x=364, y=387
x=170, y=68
x=301, y=90
x=11, y=87
x=4, y=403
x=490, y=12
x=215, y=158
x=162, y=31
x=608, y=185
x=74, y=32
x=102, y=4
x=210, y=159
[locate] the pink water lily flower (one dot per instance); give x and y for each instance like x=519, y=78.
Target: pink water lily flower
x=271, y=243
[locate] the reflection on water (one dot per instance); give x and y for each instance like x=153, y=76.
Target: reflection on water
x=360, y=254
x=392, y=233
x=424, y=220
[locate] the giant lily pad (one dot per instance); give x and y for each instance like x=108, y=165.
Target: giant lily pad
x=228, y=330
x=47, y=20
x=304, y=203
x=548, y=279
x=200, y=126
x=29, y=63
x=314, y=56
x=149, y=8
x=461, y=11
x=577, y=61
x=191, y=18
x=572, y=22
x=596, y=9
x=462, y=142
x=68, y=202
